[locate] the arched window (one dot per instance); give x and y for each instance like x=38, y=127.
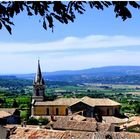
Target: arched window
x=37, y=92
x=47, y=111
x=107, y=111
x=66, y=111
x=57, y=111
x=116, y=111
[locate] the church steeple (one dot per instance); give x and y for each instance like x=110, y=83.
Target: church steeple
x=39, y=85
x=38, y=78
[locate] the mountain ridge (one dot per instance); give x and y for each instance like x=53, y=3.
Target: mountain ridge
x=108, y=74
x=107, y=70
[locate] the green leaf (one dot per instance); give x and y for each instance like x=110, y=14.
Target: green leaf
x=58, y=18
x=0, y=25
x=50, y=20
x=8, y=28
x=134, y=4
x=44, y=25
x=8, y=20
x=30, y=14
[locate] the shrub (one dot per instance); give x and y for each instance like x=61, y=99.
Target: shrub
x=23, y=106
x=24, y=114
x=15, y=104
x=43, y=121
x=137, y=108
x=124, y=108
x=32, y=121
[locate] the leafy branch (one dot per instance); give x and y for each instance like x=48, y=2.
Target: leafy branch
x=63, y=12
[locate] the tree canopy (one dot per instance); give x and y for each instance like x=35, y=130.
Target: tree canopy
x=63, y=12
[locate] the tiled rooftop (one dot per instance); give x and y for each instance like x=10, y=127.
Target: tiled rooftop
x=4, y=114
x=116, y=135
x=69, y=123
x=112, y=119
x=26, y=133
x=99, y=101
x=86, y=100
x=59, y=101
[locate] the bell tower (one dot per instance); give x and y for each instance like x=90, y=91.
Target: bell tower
x=38, y=85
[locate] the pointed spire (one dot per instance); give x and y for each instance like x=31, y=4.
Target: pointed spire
x=38, y=77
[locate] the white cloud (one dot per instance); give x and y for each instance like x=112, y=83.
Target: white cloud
x=71, y=43
x=94, y=60
x=69, y=53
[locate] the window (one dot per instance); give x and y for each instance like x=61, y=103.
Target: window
x=116, y=111
x=47, y=111
x=37, y=92
x=57, y=111
x=107, y=111
x=66, y=111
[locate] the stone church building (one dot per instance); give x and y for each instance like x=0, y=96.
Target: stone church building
x=85, y=106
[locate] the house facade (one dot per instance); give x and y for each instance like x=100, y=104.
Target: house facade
x=83, y=106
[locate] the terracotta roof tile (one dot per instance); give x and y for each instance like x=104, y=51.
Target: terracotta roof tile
x=8, y=110
x=4, y=114
x=86, y=100
x=112, y=119
x=116, y=135
x=99, y=101
x=59, y=101
x=68, y=123
x=77, y=135
x=26, y=133
x=35, y=133
x=79, y=118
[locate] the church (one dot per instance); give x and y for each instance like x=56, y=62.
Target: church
x=85, y=106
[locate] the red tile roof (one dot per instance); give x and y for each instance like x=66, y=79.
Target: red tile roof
x=86, y=100
x=68, y=123
x=35, y=133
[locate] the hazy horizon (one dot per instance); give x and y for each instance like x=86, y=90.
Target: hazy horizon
x=69, y=69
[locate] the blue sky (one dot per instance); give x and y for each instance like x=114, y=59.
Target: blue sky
x=95, y=39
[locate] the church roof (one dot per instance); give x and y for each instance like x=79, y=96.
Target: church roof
x=59, y=101
x=99, y=101
x=86, y=100
x=38, y=78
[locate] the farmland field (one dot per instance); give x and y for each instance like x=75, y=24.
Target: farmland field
x=19, y=94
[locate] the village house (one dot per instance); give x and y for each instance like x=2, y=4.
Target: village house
x=9, y=116
x=86, y=106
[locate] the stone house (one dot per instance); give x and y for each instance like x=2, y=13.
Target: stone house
x=85, y=106
x=9, y=116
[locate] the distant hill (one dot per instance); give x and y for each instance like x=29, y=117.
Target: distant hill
x=102, y=71
x=110, y=74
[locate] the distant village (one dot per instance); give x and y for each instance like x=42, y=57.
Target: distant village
x=67, y=118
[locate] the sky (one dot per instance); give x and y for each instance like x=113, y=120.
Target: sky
x=95, y=39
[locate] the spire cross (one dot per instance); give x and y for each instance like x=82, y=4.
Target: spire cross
x=38, y=58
